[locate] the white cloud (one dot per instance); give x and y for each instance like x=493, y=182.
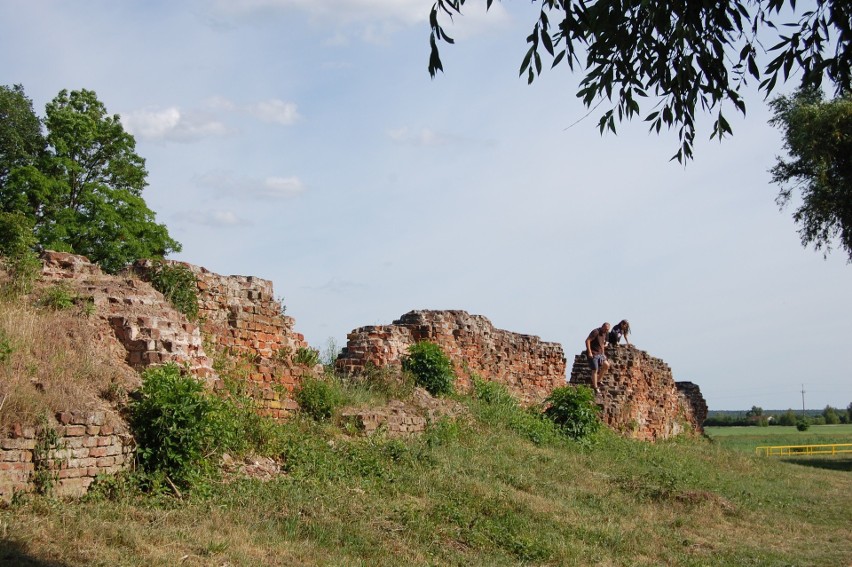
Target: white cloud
x=222, y=219
x=270, y=188
x=171, y=124
x=274, y=110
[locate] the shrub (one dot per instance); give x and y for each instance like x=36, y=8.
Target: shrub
x=318, y=397
x=175, y=424
x=178, y=285
x=803, y=424
x=574, y=410
x=58, y=297
x=432, y=369
x=306, y=357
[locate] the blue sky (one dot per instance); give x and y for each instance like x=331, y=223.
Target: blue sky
x=303, y=141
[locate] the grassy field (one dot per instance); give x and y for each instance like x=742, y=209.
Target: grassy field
x=747, y=438
x=473, y=493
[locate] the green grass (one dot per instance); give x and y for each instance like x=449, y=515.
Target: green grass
x=747, y=438
x=484, y=492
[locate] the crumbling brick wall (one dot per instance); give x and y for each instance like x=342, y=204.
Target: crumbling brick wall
x=242, y=317
x=237, y=313
x=83, y=445
x=639, y=397
x=148, y=328
x=529, y=367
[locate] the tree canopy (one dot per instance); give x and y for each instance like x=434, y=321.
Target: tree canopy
x=818, y=138
x=80, y=184
x=682, y=55
x=21, y=140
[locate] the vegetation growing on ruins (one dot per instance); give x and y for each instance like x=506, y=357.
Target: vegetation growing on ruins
x=178, y=285
x=432, y=369
x=503, y=485
x=306, y=356
x=319, y=397
x=574, y=411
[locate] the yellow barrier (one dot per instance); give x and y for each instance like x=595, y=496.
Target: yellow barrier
x=788, y=450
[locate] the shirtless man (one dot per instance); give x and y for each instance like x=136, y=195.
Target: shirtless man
x=595, y=350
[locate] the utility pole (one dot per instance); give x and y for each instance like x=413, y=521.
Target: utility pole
x=803, y=400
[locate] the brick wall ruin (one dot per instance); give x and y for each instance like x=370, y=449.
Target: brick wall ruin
x=239, y=316
x=71, y=453
x=242, y=324
x=145, y=324
x=529, y=367
x=242, y=317
x=639, y=397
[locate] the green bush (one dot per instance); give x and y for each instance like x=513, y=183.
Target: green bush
x=319, y=397
x=306, y=357
x=178, y=285
x=574, y=410
x=176, y=425
x=432, y=369
x=803, y=424
x=58, y=297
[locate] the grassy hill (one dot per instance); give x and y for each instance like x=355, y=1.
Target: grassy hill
x=479, y=492
x=497, y=487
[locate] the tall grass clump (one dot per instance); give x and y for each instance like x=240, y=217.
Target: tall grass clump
x=19, y=260
x=494, y=405
x=432, y=369
x=53, y=361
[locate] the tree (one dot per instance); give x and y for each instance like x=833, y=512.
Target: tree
x=755, y=411
x=818, y=139
x=789, y=417
x=830, y=415
x=83, y=192
x=21, y=141
x=685, y=55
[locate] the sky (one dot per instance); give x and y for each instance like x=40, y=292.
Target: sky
x=303, y=141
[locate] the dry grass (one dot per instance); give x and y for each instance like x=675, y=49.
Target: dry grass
x=55, y=361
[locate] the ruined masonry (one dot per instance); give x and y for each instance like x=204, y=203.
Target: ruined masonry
x=239, y=314
x=243, y=318
x=245, y=327
x=141, y=328
x=529, y=367
x=85, y=445
x=639, y=397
